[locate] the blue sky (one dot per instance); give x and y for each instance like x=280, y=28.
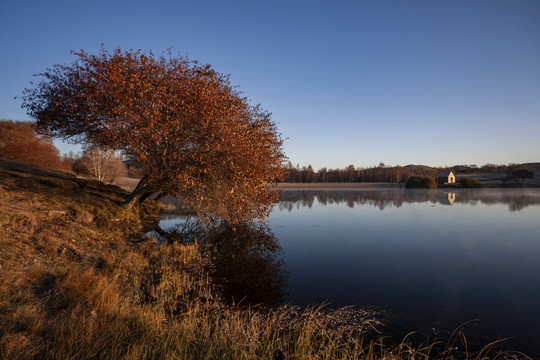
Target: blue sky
x=439, y=82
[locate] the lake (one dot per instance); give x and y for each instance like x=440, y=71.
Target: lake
x=436, y=258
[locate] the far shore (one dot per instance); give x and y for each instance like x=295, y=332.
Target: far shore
x=129, y=184
x=337, y=186
x=344, y=186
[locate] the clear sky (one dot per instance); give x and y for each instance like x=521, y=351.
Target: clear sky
x=435, y=82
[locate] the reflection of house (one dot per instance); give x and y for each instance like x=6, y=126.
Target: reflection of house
x=446, y=177
x=446, y=198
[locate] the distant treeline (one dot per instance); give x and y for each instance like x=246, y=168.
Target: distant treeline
x=389, y=174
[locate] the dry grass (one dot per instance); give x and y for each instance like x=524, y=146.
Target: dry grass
x=127, y=183
x=75, y=286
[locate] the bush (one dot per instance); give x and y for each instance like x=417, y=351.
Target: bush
x=20, y=142
x=421, y=182
x=468, y=182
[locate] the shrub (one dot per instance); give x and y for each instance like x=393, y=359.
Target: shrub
x=421, y=182
x=19, y=141
x=468, y=182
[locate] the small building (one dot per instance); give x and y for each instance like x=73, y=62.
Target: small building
x=446, y=177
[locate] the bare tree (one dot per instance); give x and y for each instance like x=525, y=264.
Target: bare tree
x=102, y=164
x=97, y=160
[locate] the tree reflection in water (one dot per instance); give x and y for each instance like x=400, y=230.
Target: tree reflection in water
x=247, y=261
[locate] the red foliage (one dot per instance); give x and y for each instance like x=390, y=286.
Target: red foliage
x=18, y=141
x=193, y=134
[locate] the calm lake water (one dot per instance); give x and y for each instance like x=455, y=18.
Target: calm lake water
x=434, y=257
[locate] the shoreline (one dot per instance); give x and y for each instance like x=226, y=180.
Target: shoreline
x=338, y=186
x=352, y=186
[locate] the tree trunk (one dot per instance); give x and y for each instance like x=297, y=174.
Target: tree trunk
x=141, y=191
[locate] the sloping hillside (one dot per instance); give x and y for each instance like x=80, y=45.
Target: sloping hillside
x=53, y=218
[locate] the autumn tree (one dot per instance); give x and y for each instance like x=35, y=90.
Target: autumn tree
x=18, y=141
x=191, y=132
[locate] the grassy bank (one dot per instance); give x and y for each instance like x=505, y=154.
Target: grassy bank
x=79, y=283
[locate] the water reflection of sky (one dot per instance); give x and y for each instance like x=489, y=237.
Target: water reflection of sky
x=172, y=220
x=478, y=258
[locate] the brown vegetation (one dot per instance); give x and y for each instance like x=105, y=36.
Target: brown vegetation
x=421, y=182
x=18, y=141
x=468, y=182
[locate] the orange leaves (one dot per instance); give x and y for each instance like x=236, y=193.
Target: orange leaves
x=19, y=142
x=193, y=133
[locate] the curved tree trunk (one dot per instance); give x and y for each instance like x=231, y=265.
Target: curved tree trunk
x=141, y=192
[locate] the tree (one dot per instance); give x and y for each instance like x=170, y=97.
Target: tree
x=192, y=133
x=323, y=175
x=309, y=174
x=519, y=175
x=18, y=141
x=101, y=164
x=115, y=170
x=351, y=173
x=97, y=160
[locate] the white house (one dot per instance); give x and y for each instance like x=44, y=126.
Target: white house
x=446, y=177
